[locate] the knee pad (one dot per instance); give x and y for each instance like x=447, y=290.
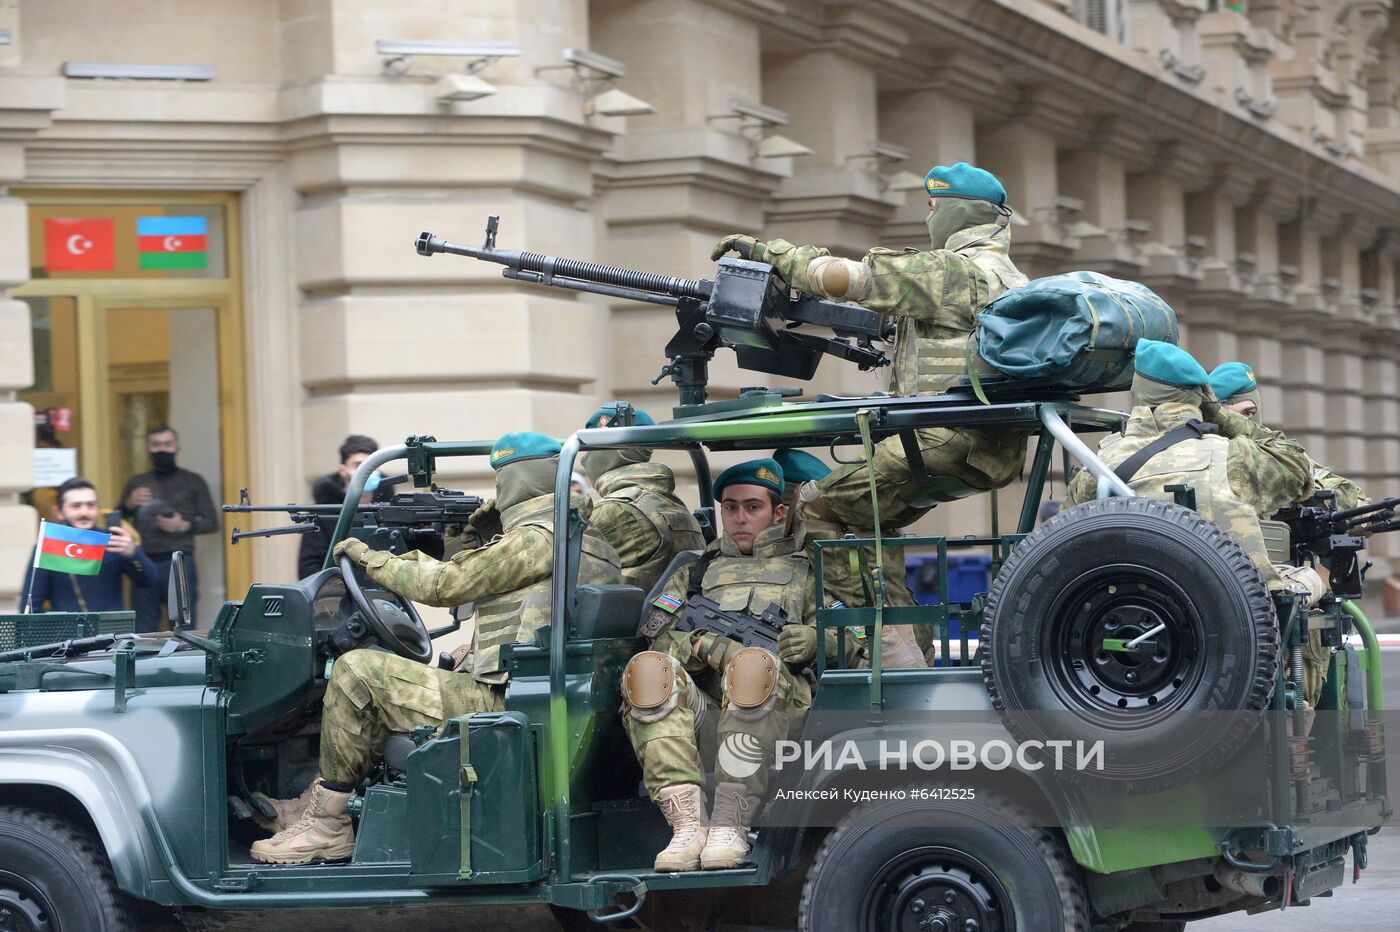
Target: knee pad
x=649, y=685
x=750, y=678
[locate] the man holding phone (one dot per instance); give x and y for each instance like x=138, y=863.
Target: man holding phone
x=65, y=592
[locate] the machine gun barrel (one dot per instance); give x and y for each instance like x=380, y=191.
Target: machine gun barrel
x=572, y=273
x=1385, y=504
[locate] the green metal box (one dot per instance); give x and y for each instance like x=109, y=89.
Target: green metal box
x=491, y=779
x=46, y=627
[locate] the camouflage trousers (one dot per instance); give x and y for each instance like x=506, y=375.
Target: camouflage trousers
x=668, y=746
x=373, y=694
x=959, y=461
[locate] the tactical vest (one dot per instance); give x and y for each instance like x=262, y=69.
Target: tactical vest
x=777, y=572
x=514, y=617
x=1200, y=464
x=640, y=487
x=931, y=354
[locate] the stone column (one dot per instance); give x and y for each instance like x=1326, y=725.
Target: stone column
x=392, y=342
x=1023, y=157
x=27, y=103
x=937, y=129
x=1098, y=179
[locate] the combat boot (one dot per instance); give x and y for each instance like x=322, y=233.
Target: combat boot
x=728, y=843
x=285, y=811
x=684, y=808
x=323, y=833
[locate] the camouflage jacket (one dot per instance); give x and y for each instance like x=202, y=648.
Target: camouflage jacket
x=779, y=571
x=1245, y=471
x=508, y=579
x=642, y=518
x=1349, y=494
x=936, y=295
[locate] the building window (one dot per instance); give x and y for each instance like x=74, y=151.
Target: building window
x=1109, y=17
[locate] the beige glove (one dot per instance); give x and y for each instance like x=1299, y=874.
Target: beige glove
x=797, y=644
x=747, y=247
x=352, y=547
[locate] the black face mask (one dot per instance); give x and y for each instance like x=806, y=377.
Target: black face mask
x=162, y=463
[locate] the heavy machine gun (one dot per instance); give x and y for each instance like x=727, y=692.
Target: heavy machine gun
x=747, y=306
x=407, y=521
x=1336, y=537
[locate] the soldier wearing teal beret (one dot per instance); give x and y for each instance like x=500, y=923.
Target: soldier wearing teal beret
x=522, y=445
x=764, y=472
x=1236, y=388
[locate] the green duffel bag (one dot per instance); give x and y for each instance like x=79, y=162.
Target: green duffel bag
x=1074, y=332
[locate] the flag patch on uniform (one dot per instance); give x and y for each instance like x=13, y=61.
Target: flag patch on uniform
x=667, y=603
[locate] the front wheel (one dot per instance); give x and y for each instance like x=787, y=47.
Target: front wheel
x=55, y=878
x=958, y=866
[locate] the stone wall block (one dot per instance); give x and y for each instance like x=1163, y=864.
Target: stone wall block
x=1303, y=365
x=16, y=349
x=18, y=525
x=16, y=448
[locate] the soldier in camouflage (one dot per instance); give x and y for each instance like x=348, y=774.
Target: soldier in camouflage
x=935, y=294
x=1239, y=472
x=372, y=694
x=669, y=689
x=639, y=512
x=1234, y=384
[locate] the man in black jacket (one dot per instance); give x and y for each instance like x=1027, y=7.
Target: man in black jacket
x=330, y=490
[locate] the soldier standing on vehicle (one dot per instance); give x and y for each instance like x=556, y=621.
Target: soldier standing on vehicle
x=639, y=512
x=669, y=689
x=1238, y=468
x=1234, y=384
x=372, y=693
x=935, y=294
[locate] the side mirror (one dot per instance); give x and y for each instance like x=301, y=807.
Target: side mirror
x=177, y=599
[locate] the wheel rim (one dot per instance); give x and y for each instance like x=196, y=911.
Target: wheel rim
x=1091, y=625
x=23, y=906
x=936, y=889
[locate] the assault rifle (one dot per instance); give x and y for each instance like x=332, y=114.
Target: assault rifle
x=702, y=614
x=746, y=306
x=407, y=521
x=1335, y=537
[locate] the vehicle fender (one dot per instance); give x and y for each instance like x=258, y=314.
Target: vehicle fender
x=100, y=774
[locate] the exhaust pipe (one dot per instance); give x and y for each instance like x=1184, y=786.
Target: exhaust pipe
x=1268, y=886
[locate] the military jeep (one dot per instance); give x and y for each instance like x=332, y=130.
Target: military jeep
x=129, y=764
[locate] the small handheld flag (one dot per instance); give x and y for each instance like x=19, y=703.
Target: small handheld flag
x=65, y=549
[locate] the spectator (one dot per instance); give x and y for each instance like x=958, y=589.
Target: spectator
x=330, y=490
x=76, y=506
x=169, y=506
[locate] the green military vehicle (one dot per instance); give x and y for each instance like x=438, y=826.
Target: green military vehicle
x=129, y=764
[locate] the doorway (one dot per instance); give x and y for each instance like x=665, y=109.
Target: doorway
x=153, y=338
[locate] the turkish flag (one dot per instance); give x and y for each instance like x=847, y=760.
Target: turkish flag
x=78, y=245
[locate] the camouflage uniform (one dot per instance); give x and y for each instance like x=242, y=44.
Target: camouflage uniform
x=935, y=294
x=372, y=693
x=665, y=741
x=1245, y=471
x=1349, y=494
x=642, y=518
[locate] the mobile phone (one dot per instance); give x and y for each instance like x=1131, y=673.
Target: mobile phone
x=114, y=519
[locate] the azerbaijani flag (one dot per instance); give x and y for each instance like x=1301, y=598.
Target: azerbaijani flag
x=65, y=549
x=173, y=242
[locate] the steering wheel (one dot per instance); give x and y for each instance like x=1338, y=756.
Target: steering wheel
x=396, y=626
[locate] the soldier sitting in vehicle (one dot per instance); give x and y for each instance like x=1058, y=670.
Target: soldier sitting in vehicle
x=935, y=294
x=668, y=689
x=372, y=693
x=639, y=512
x=1238, y=468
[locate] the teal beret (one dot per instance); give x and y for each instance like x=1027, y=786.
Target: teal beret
x=964, y=180
x=522, y=445
x=800, y=466
x=604, y=416
x=764, y=472
x=1169, y=364
x=1230, y=379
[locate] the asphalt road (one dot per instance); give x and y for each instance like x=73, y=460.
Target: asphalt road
x=1372, y=904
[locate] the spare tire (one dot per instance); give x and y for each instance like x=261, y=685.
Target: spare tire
x=1080, y=589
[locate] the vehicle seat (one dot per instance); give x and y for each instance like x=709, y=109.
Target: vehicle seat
x=679, y=562
x=608, y=611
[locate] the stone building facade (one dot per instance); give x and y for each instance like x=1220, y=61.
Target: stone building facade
x=1243, y=159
